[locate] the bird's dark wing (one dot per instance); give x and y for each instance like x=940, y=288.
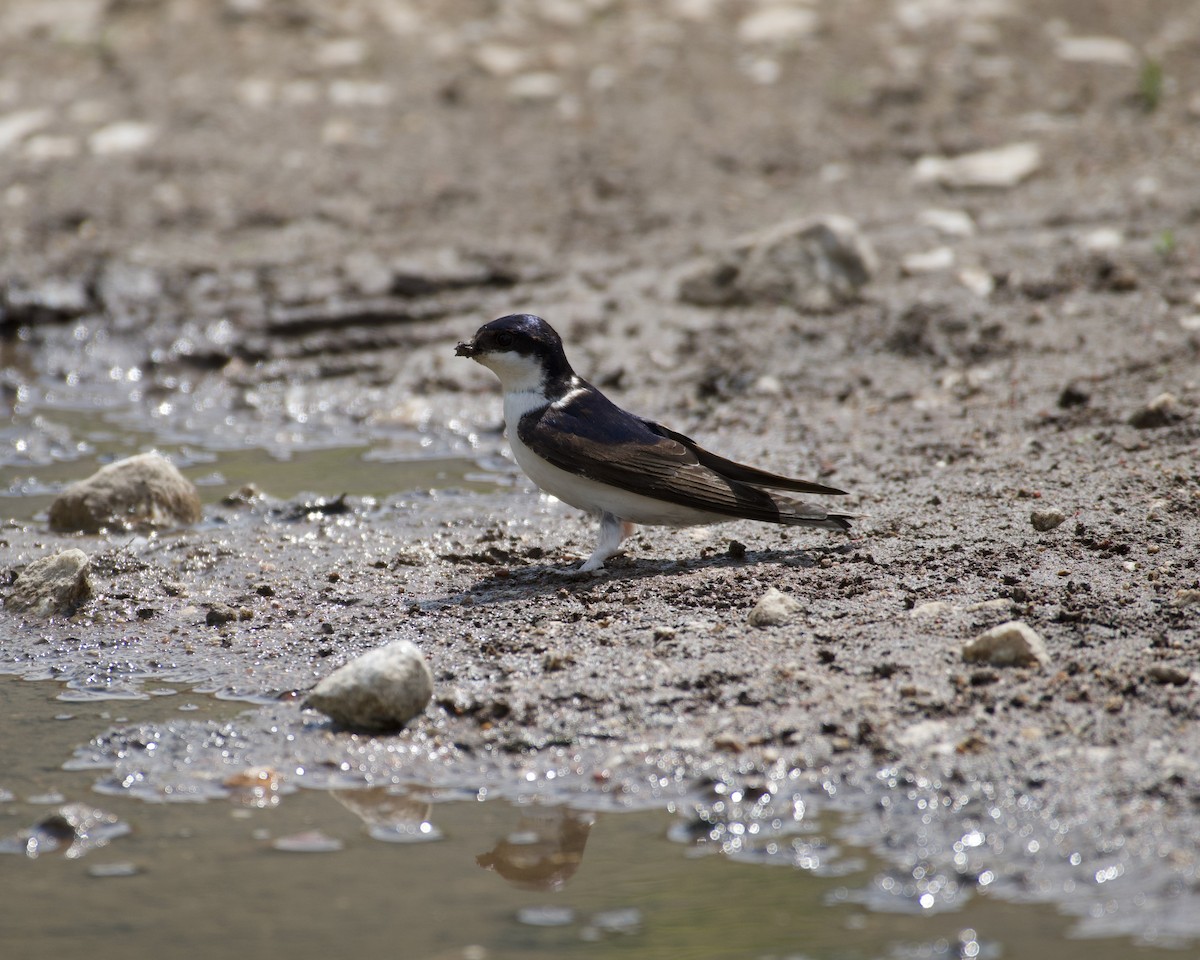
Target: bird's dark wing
x=592, y=437
x=740, y=471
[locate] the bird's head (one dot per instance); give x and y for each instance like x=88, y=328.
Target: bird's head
x=521, y=349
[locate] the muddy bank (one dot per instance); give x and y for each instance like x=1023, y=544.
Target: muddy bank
x=1009, y=356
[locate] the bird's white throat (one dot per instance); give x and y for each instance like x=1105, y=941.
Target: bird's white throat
x=517, y=373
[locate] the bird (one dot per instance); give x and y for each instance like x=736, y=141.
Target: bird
x=577, y=445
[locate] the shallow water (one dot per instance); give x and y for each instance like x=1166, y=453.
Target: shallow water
x=268, y=868
x=429, y=875
x=49, y=448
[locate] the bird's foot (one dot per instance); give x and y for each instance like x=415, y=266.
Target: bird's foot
x=613, y=531
x=578, y=573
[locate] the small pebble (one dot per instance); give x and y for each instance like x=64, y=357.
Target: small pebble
x=932, y=608
x=127, y=136
x=927, y=261
x=1046, y=519
x=949, y=223
x=1008, y=645
x=776, y=23
x=1168, y=675
x=500, y=60
x=773, y=608
x=535, y=86
x=1102, y=50
x=995, y=169
x=979, y=281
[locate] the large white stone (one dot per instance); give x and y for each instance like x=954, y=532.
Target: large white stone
x=141, y=491
x=381, y=690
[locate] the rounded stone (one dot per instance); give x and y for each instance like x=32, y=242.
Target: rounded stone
x=773, y=608
x=144, y=491
x=382, y=690
x=1012, y=644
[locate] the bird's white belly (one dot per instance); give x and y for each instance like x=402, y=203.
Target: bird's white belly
x=601, y=497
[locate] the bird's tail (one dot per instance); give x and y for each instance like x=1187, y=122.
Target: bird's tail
x=801, y=513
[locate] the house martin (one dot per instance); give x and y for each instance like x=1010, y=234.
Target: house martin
x=579, y=446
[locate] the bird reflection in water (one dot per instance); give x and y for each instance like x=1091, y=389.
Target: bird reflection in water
x=543, y=851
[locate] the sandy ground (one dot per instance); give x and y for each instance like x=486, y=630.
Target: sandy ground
x=268, y=222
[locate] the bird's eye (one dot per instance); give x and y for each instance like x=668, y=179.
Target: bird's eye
x=504, y=339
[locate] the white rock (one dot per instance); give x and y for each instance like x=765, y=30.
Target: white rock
x=949, y=223
x=998, y=603
x=15, y=127
x=777, y=23
x=773, y=608
x=125, y=136
x=542, y=85
x=141, y=491
x=1101, y=239
x=345, y=52
x=768, y=385
x=1191, y=322
x=51, y=586
x=994, y=169
x=381, y=690
x=931, y=608
x=1012, y=644
x=500, y=59
x=928, y=261
x=979, y=281
x=1110, y=50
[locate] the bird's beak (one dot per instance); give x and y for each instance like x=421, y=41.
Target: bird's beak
x=465, y=349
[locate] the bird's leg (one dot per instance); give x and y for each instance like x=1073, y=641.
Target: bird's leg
x=613, y=530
